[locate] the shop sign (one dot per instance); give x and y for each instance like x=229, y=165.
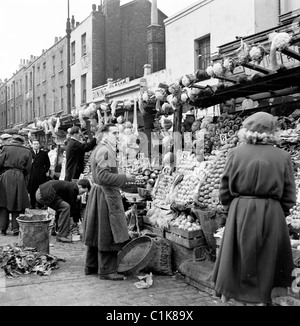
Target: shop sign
x=99, y=93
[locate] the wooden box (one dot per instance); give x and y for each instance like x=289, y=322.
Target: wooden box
x=187, y=239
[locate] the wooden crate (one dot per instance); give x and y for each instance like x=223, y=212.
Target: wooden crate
x=185, y=233
x=187, y=239
x=155, y=230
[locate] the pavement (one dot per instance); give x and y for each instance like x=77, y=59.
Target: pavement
x=69, y=286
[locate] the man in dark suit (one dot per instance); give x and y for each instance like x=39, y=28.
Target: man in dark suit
x=63, y=197
x=75, y=151
x=38, y=174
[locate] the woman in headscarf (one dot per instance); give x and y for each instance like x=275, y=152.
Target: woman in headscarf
x=258, y=190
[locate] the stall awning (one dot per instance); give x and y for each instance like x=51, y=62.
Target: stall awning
x=288, y=80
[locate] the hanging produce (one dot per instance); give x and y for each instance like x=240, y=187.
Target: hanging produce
x=104, y=108
x=280, y=40
x=141, y=102
x=81, y=120
x=187, y=80
x=229, y=65
x=210, y=71
x=257, y=53
x=218, y=69
x=135, y=120
x=201, y=75
x=57, y=125
x=243, y=53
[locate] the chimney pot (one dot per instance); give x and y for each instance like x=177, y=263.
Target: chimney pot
x=154, y=13
x=94, y=7
x=77, y=24
x=109, y=82
x=73, y=22
x=147, y=69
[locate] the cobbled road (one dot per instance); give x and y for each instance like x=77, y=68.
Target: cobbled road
x=69, y=286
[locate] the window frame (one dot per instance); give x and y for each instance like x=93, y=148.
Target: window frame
x=203, y=52
x=83, y=44
x=83, y=88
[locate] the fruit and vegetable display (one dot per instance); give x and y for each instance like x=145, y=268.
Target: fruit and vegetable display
x=208, y=189
x=186, y=222
x=162, y=189
x=159, y=217
x=186, y=162
x=184, y=192
x=294, y=218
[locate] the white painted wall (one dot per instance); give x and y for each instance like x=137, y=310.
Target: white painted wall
x=290, y=5
x=266, y=14
x=222, y=19
x=83, y=64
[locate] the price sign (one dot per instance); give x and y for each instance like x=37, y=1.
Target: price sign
x=223, y=139
x=215, y=197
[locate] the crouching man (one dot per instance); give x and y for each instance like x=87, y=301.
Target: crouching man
x=63, y=197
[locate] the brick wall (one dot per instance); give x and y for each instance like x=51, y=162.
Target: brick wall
x=98, y=50
x=113, y=38
x=156, y=47
x=136, y=17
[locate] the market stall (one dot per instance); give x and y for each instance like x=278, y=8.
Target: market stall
x=185, y=196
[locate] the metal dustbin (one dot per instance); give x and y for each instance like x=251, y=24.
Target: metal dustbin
x=34, y=231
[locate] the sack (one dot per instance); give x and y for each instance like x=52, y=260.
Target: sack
x=161, y=262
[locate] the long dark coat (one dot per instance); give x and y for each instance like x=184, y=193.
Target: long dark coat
x=75, y=157
x=40, y=166
x=15, y=165
x=255, y=255
x=104, y=223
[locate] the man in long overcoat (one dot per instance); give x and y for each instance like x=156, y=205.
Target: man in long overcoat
x=75, y=151
x=104, y=224
x=15, y=165
x=38, y=174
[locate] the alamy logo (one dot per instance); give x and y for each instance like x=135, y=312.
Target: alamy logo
x=296, y=282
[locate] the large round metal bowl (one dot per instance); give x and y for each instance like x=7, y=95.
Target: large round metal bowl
x=136, y=255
